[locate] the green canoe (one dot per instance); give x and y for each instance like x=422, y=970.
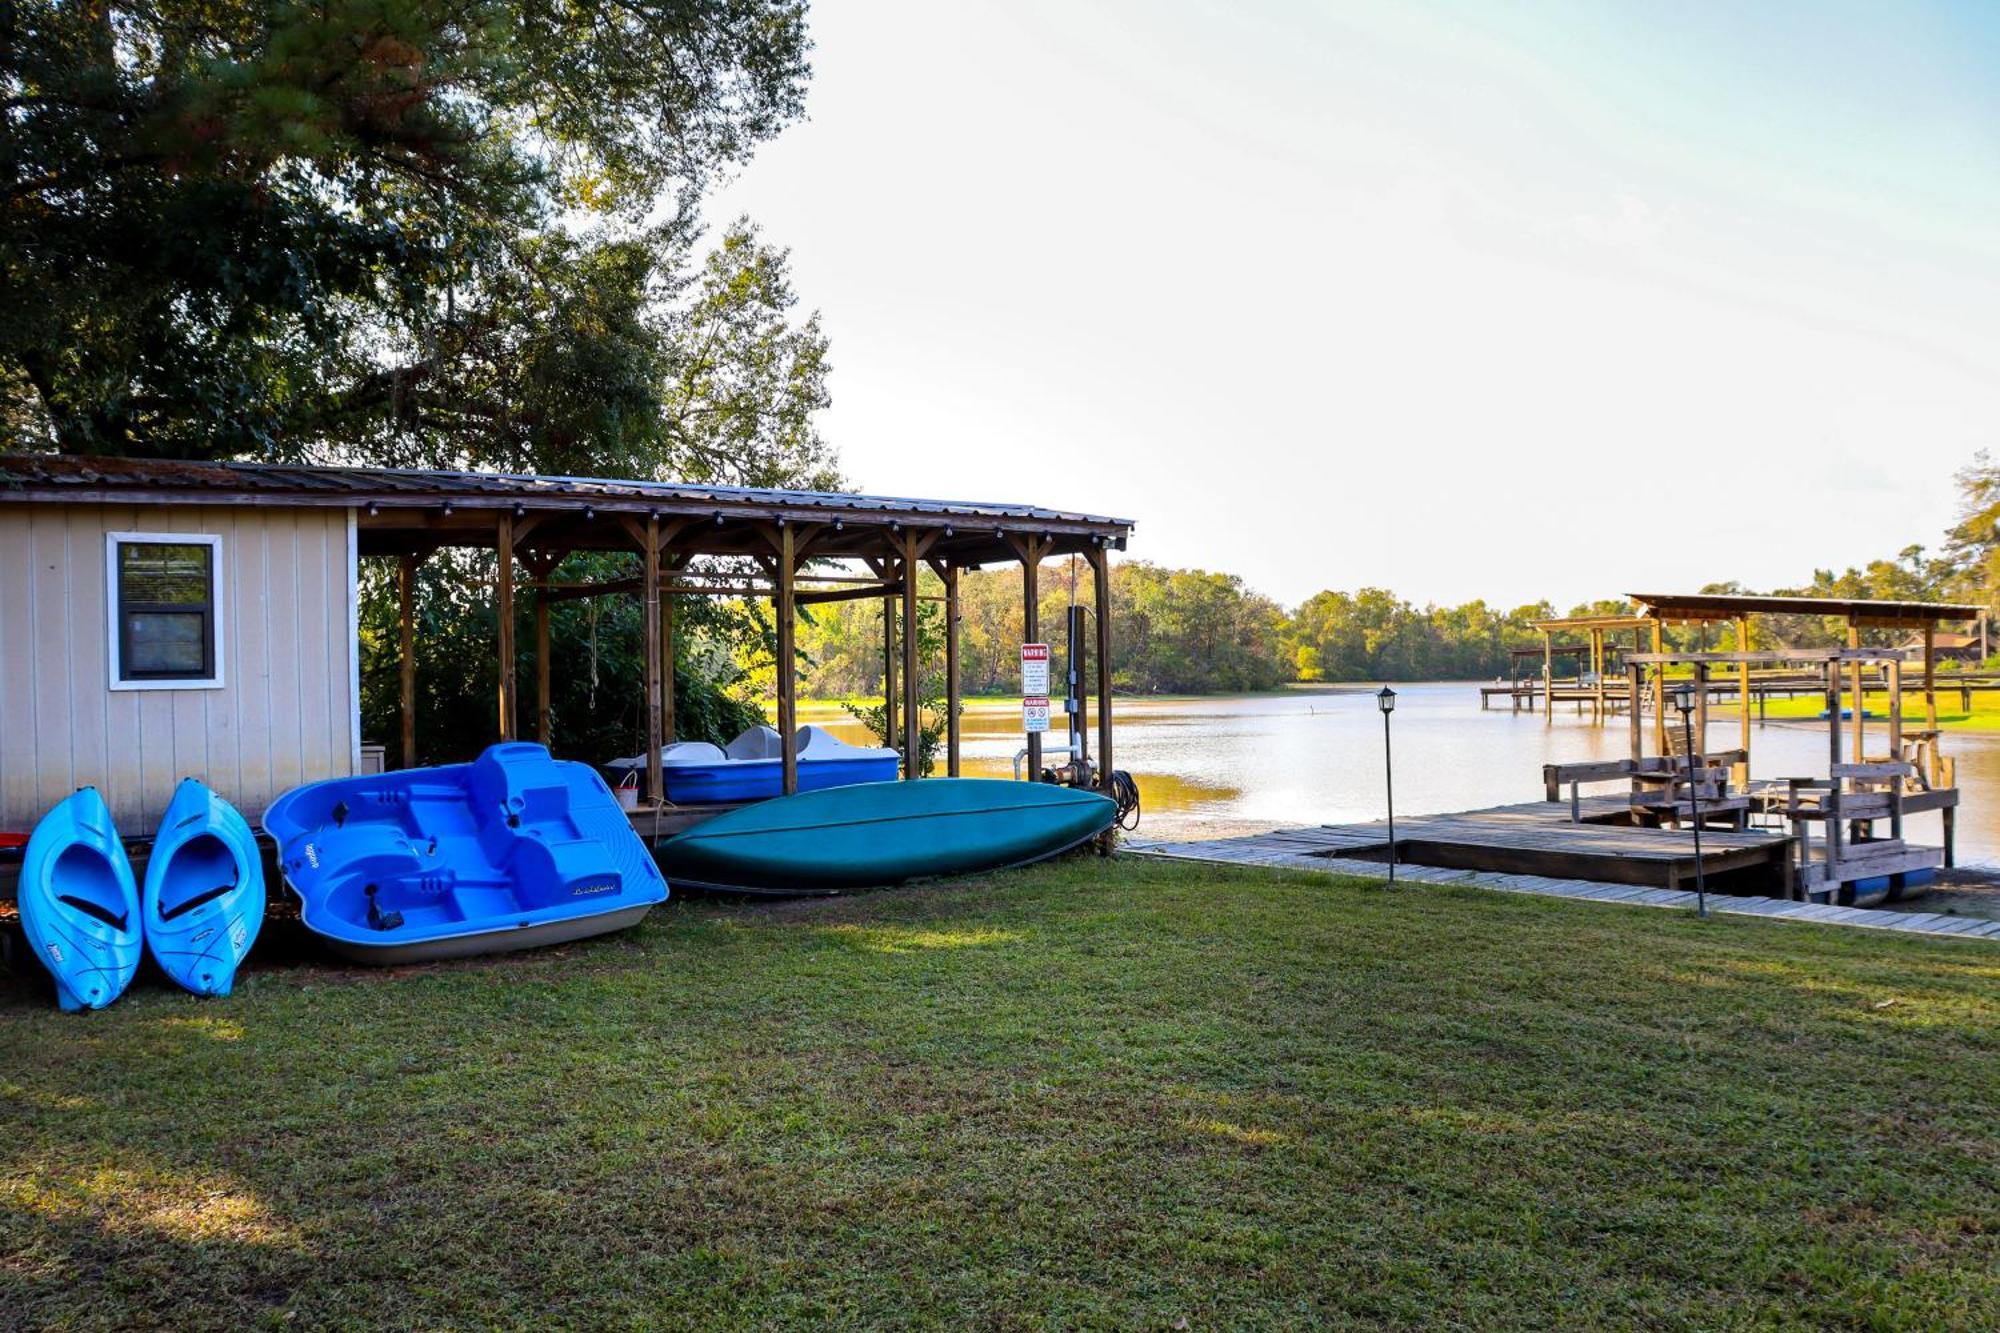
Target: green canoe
x=876, y=833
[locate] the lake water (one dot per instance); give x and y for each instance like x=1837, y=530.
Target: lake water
x=1215, y=766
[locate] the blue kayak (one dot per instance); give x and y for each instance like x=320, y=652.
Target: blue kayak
x=79, y=907
x=509, y=851
x=203, y=898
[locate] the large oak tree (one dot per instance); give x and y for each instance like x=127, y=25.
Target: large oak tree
x=398, y=230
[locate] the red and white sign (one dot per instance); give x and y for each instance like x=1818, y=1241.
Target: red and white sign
x=1035, y=712
x=1035, y=670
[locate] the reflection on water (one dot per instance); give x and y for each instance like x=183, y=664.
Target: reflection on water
x=1210, y=765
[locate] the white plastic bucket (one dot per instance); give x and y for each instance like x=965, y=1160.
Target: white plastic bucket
x=628, y=791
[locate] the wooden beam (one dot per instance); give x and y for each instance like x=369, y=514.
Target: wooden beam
x=825, y=595
x=949, y=573
x=649, y=600
x=504, y=610
x=913, y=708
x=788, y=686
x=406, y=611
x=1100, y=569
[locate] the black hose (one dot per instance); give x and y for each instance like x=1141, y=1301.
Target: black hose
x=1126, y=793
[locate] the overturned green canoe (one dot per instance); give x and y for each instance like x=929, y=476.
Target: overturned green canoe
x=878, y=833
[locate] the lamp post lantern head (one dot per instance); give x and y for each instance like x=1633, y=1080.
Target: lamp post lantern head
x=1386, y=700
x=1684, y=698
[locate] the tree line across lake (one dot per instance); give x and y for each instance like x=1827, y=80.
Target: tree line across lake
x=1192, y=631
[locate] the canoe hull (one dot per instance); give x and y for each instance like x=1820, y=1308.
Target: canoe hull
x=79, y=906
x=203, y=898
x=511, y=850
x=876, y=834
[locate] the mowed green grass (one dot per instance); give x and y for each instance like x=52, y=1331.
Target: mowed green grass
x=1984, y=715
x=1121, y=1094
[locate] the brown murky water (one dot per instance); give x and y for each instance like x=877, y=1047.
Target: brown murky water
x=1212, y=766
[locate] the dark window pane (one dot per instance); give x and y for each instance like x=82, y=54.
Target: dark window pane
x=166, y=643
x=161, y=574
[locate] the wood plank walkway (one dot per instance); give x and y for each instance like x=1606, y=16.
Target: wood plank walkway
x=1307, y=848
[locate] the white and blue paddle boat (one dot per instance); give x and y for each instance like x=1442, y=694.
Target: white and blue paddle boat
x=203, y=896
x=510, y=851
x=79, y=906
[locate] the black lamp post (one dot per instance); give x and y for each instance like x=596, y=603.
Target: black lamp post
x=1684, y=701
x=1386, y=701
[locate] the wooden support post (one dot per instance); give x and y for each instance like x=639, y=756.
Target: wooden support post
x=788, y=684
x=1031, y=624
x=913, y=710
x=406, y=614
x=1548, y=677
x=1700, y=713
x=949, y=573
x=504, y=611
x=1896, y=785
x=668, y=724
x=1930, y=677
x=649, y=593
x=1743, y=691
x=889, y=732
x=1659, y=692
x=1854, y=679
x=1635, y=676
x=1835, y=836
x=544, y=724
x=1100, y=570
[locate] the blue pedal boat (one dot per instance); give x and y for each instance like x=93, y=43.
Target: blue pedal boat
x=79, y=906
x=203, y=896
x=510, y=851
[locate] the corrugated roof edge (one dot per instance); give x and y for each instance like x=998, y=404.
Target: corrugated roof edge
x=56, y=471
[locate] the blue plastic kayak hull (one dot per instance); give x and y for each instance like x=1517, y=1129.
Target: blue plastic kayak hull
x=881, y=833
x=507, y=852
x=79, y=906
x=203, y=896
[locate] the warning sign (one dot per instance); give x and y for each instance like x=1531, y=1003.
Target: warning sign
x=1035, y=712
x=1035, y=670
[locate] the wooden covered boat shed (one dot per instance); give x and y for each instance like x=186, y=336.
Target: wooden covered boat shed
x=167, y=619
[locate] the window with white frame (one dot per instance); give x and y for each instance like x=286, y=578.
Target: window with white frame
x=165, y=596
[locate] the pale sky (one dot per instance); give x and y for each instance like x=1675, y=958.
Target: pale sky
x=1514, y=300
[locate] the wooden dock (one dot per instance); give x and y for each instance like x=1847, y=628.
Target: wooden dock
x=1538, y=838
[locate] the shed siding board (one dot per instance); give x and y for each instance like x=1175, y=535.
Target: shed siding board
x=92, y=736
x=285, y=713
x=50, y=619
x=17, y=663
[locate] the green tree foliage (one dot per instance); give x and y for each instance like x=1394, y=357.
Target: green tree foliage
x=597, y=702
x=442, y=227
x=933, y=710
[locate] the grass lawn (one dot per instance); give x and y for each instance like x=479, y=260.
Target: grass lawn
x=1120, y=1094
x=1984, y=715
